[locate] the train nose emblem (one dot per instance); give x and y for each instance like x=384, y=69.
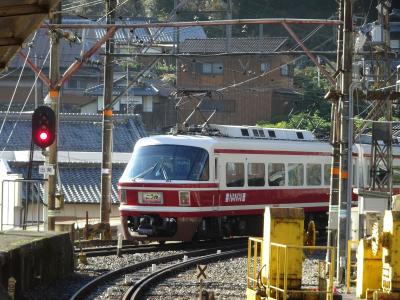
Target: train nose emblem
x=150, y=197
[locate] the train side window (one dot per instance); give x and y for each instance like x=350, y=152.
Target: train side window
x=256, y=174
x=313, y=174
x=234, y=174
x=245, y=132
x=327, y=174
x=396, y=175
x=295, y=174
x=255, y=132
x=261, y=132
x=276, y=174
x=216, y=168
x=271, y=134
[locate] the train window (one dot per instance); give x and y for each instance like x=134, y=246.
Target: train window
x=216, y=168
x=234, y=174
x=255, y=132
x=300, y=135
x=261, y=132
x=271, y=133
x=327, y=174
x=245, y=132
x=168, y=162
x=313, y=174
x=276, y=174
x=396, y=175
x=295, y=174
x=256, y=174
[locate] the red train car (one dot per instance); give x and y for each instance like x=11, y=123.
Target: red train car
x=180, y=187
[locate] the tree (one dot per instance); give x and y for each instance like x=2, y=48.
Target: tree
x=312, y=112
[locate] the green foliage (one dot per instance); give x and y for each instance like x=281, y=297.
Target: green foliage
x=312, y=112
x=169, y=79
x=302, y=120
x=159, y=9
x=133, y=65
x=313, y=93
x=163, y=68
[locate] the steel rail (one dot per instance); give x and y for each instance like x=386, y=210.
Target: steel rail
x=138, y=290
x=88, y=288
x=130, y=248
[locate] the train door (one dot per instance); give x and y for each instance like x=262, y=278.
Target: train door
x=217, y=180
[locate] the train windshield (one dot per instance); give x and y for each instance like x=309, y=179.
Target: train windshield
x=168, y=162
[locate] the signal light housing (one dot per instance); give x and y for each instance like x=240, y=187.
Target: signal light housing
x=43, y=126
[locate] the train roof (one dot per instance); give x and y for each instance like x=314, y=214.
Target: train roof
x=219, y=142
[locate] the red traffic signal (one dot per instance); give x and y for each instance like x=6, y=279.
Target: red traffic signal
x=43, y=126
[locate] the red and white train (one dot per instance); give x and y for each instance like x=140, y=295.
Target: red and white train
x=180, y=187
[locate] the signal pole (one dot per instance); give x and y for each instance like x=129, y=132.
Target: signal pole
x=345, y=147
x=335, y=131
x=106, y=165
x=52, y=101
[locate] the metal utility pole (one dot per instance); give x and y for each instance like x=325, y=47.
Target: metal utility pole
x=381, y=160
x=345, y=147
x=52, y=101
x=106, y=165
x=335, y=131
x=229, y=27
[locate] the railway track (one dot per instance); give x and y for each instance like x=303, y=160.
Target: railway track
x=140, y=276
x=138, y=290
x=129, y=249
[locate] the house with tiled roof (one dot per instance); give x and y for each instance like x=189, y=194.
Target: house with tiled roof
x=79, y=160
x=244, y=80
x=77, y=93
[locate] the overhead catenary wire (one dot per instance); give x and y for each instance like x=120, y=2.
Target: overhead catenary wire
x=23, y=106
x=16, y=86
x=87, y=4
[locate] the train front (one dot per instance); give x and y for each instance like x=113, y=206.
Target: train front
x=159, y=187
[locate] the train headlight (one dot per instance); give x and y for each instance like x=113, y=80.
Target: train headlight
x=150, y=197
x=122, y=196
x=184, y=198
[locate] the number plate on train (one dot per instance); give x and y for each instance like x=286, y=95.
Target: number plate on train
x=150, y=197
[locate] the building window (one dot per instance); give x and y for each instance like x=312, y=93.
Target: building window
x=234, y=174
x=75, y=84
x=212, y=68
x=147, y=104
x=285, y=70
x=265, y=67
x=256, y=175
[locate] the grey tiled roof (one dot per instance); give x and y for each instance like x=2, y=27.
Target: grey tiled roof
x=238, y=45
x=167, y=35
x=134, y=91
x=71, y=51
x=80, y=182
x=76, y=133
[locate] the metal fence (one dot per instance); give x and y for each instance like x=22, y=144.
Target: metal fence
x=21, y=204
